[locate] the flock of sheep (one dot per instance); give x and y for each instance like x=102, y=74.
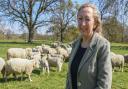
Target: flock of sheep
x=25, y=60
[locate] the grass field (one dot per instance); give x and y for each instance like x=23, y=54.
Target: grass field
x=56, y=80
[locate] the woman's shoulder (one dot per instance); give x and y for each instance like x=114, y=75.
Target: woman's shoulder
x=102, y=40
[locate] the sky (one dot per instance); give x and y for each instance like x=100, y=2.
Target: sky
x=15, y=27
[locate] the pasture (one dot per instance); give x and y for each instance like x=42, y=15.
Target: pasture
x=56, y=80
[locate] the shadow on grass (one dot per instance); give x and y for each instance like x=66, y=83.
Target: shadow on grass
x=37, y=71
x=12, y=79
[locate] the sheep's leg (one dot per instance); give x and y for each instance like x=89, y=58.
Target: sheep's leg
x=14, y=75
x=47, y=70
x=59, y=67
x=44, y=70
x=122, y=68
x=5, y=77
x=22, y=75
x=29, y=78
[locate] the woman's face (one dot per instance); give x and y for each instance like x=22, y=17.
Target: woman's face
x=85, y=20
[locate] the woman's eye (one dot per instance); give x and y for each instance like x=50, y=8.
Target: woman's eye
x=87, y=19
x=80, y=18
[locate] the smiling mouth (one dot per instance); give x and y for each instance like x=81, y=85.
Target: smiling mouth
x=83, y=30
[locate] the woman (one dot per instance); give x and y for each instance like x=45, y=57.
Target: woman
x=90, y=63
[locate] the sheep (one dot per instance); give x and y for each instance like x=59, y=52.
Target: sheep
x=62, y=51
x=47, y=49
x=19, y=53
x=57, y=55
x=19, y=66
x=46, y=46
x=52, y=51
x=44, y=63
x=67, y=47
x=39, y=48
x=28, y=53
x=54, y=45
x=2, y=64
x=117, y=61
x=55, y=62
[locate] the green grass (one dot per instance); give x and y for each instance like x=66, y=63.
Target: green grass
x=55, y=80
x=119, y=48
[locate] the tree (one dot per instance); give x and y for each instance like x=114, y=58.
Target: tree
x=28, y=13
x=104, y=7
x=63, y=15
x=71, y=34
x=112, y=29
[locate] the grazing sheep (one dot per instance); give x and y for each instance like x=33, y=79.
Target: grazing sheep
x=63, y=52
x=19, y=53
x=45, y=48
x=55, y=62
x=117, y=61
x=39, y=48
x=44, y=63
x=57, y=55
x=19, y=66
x=67, y=47
x=54, y=45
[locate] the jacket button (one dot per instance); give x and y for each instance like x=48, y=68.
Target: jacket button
x=78, y=84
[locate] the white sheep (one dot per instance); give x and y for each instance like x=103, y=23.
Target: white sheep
x=19, y=66
x=117, y=61
x=39, y=48
x=54, y=45
x=44, y=63
x=63, y=52
x=45, y=48
x=55, y=62
x=67, y=47
x=19, y=53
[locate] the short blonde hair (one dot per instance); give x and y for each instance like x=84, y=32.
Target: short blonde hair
x=97, y=18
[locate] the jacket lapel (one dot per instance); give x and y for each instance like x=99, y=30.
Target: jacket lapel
x=88, y=52
x=74, y=51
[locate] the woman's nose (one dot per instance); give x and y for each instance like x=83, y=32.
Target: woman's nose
x=83, y=23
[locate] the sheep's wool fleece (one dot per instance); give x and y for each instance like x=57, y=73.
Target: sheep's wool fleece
x=18, y=64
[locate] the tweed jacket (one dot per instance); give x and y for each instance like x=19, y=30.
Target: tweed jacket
x=95, y=70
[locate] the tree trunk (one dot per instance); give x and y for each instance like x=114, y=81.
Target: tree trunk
x=31, y=35
x=61, y=36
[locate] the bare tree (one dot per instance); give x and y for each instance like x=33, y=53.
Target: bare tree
x=29, y=13
x=63, y=16
x=104, y=7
